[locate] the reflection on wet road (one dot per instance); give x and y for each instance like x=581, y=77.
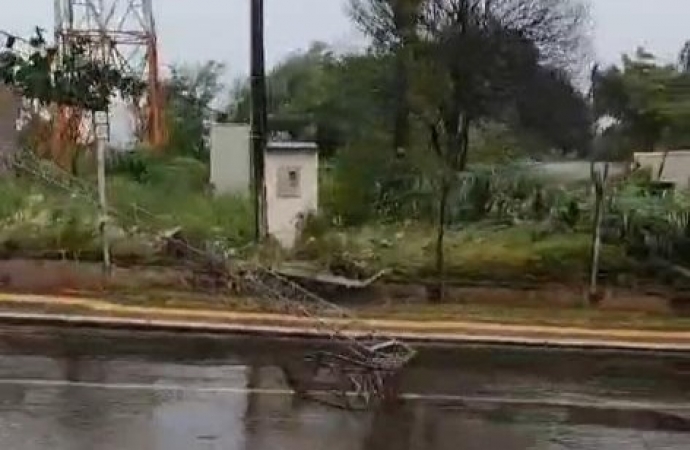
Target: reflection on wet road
x=117, y=391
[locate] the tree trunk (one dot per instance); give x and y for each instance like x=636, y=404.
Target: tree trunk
x=662, y=166
x=596, y=251
x=455, y=162
x=599, y=180
x=439, y=291
x=466, y=122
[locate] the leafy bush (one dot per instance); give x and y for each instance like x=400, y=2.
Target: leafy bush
x=350, y=188
x=177, y=173
x=132, y=164
x=366, y=182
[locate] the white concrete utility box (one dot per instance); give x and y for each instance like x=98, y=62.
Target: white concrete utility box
x=292, y=187
x=291, y=172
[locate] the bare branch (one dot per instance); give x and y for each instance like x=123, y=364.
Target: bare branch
x=557, y=28
x=375, y=19
x=390, y=23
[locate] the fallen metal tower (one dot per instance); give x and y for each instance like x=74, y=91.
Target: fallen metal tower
x=121, y=33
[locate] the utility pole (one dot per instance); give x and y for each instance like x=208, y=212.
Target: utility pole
x=102, y=135
x=259, y=120
x=599, y=181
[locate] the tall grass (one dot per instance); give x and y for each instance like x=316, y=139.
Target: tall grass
x=201, y=215
x=478, y=251
x=147, y=198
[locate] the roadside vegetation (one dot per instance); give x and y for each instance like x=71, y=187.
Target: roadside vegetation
x=428, y=139
x=40, y=220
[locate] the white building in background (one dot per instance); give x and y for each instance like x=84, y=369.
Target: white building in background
x=230, y=158
x=676, y=166
x=575, y=171
x=291, y=171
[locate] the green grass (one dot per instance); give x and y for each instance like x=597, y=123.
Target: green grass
x=42, y=220
x=590, y=318
x=474, y=252
x=201, y=215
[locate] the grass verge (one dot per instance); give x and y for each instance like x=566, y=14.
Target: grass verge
x=532, y=316
x=523, y=252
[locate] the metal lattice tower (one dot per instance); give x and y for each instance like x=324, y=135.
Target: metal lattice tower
x=122, y=33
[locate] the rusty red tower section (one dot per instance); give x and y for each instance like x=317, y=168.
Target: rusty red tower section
x=123, y=34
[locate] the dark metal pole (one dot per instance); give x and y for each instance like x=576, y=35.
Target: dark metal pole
x=259, y=117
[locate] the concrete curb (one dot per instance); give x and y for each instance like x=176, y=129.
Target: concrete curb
x=421, y=338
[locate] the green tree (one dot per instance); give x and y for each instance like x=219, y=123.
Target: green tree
x=393, y=26
x=295, y=89
x=190, y=93
x=335, y=100
x=550, y=108
x=470, y=61
x=650, y=101
x=37, y=71
x=71, y=77
x=359, y=101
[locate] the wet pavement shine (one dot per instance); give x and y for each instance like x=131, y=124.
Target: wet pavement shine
x=86, y=390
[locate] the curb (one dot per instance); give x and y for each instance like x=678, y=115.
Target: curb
x=270, y=331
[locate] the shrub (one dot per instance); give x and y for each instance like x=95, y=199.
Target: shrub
x=176, y=173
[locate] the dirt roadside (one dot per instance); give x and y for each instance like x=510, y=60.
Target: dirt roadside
x=16, y=309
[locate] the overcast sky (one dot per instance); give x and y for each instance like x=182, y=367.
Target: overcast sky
x=198, y=30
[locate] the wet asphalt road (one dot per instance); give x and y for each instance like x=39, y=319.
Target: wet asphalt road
x=74, y=390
